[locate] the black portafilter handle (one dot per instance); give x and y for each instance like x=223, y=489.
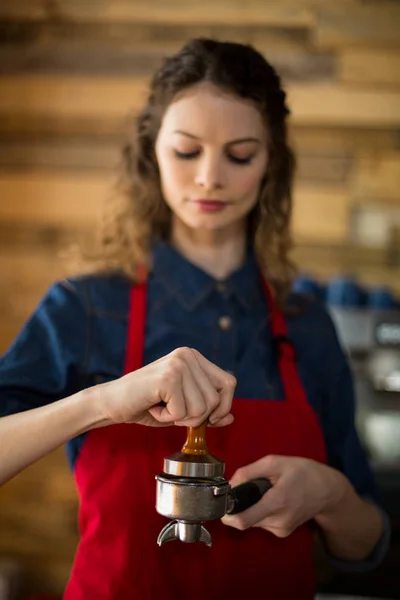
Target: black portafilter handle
x=242, y=496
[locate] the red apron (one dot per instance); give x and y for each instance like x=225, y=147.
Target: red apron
x=118, y=557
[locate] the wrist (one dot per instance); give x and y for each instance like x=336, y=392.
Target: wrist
x=338, y=491
x=91, y=406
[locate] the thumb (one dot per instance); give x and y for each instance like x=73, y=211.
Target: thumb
x=270, y=466
x=267, y=506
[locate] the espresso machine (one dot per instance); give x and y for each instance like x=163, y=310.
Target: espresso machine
x=192, y=489
x=367, y=322
x=371, y=339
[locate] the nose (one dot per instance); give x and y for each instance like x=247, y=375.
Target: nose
x=210, y=174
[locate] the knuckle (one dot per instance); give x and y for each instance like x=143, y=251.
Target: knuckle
x=184, y=352
x=273, y=459
x=231, y=381
x=168, y=377
x=269, y=460
x=175, y=365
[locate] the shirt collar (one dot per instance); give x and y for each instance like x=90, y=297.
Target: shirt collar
x=191, y=285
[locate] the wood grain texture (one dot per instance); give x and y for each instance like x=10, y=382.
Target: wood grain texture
x=370, y=66
x=377, y=177
x=69, y=97
x=285, y=13
x=100, y=58
x=320, y=214
x=74, y=155
x=357, y=23
x=329, y=169
x=53, y=198
x=63, y=97
x=333, y=140
x=135, y=49
x=335, y=105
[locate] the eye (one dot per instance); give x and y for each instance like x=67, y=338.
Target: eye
x=186, y=155
x=240, y=161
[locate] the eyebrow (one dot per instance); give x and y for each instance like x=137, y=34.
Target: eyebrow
x=237, y=141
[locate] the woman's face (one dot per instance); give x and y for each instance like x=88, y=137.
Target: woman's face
x=212, y=155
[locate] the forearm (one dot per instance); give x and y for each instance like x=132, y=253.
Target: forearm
x=350, y=525
x=28, y=436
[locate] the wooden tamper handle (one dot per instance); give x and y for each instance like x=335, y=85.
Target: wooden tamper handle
x=196, y=440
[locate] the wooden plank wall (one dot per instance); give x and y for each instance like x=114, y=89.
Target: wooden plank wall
x=71, y=72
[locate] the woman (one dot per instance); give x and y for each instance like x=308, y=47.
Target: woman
x=194, y=284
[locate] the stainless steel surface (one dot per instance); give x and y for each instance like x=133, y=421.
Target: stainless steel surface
x=188, y=465
x=194, y=501
x=382, y=435
x=359, y=328
x=372, y=341
x=383, y=368
x=191, y=490
x=185, y=532
x=354, y=327
x=191, y=500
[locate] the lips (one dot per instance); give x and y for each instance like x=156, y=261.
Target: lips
x=209, y=202
x=206, y=204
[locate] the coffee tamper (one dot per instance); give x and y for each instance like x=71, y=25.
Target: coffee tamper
x=192, y=489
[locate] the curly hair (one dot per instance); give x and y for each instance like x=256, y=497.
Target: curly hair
x=138, y=214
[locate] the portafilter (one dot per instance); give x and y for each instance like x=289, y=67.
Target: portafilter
x=192, y=489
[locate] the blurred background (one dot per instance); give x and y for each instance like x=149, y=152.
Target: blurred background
x=73, y=73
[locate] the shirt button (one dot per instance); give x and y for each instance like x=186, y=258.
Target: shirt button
x=224, y=323
x=221, y=287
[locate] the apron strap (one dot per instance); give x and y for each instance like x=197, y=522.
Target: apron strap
x=136, y=328
x=293, y=388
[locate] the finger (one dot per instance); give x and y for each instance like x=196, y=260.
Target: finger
x=203, y=382
x=269, y=466
x=227, y=420
x=148, y=420
x=196, y=406
x=182, y=389
x=210, y=380
x=269, y=506
x=164, y=415
x=173, y=405
x=223, y=382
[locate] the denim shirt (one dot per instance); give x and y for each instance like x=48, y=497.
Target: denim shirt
x=77, y=336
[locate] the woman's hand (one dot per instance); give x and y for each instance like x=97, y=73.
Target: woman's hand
x=182, y=388
x=302, y=489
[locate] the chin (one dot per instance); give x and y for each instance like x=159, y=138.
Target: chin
x=215, y=225
x=212, y=221
x=209, y=223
